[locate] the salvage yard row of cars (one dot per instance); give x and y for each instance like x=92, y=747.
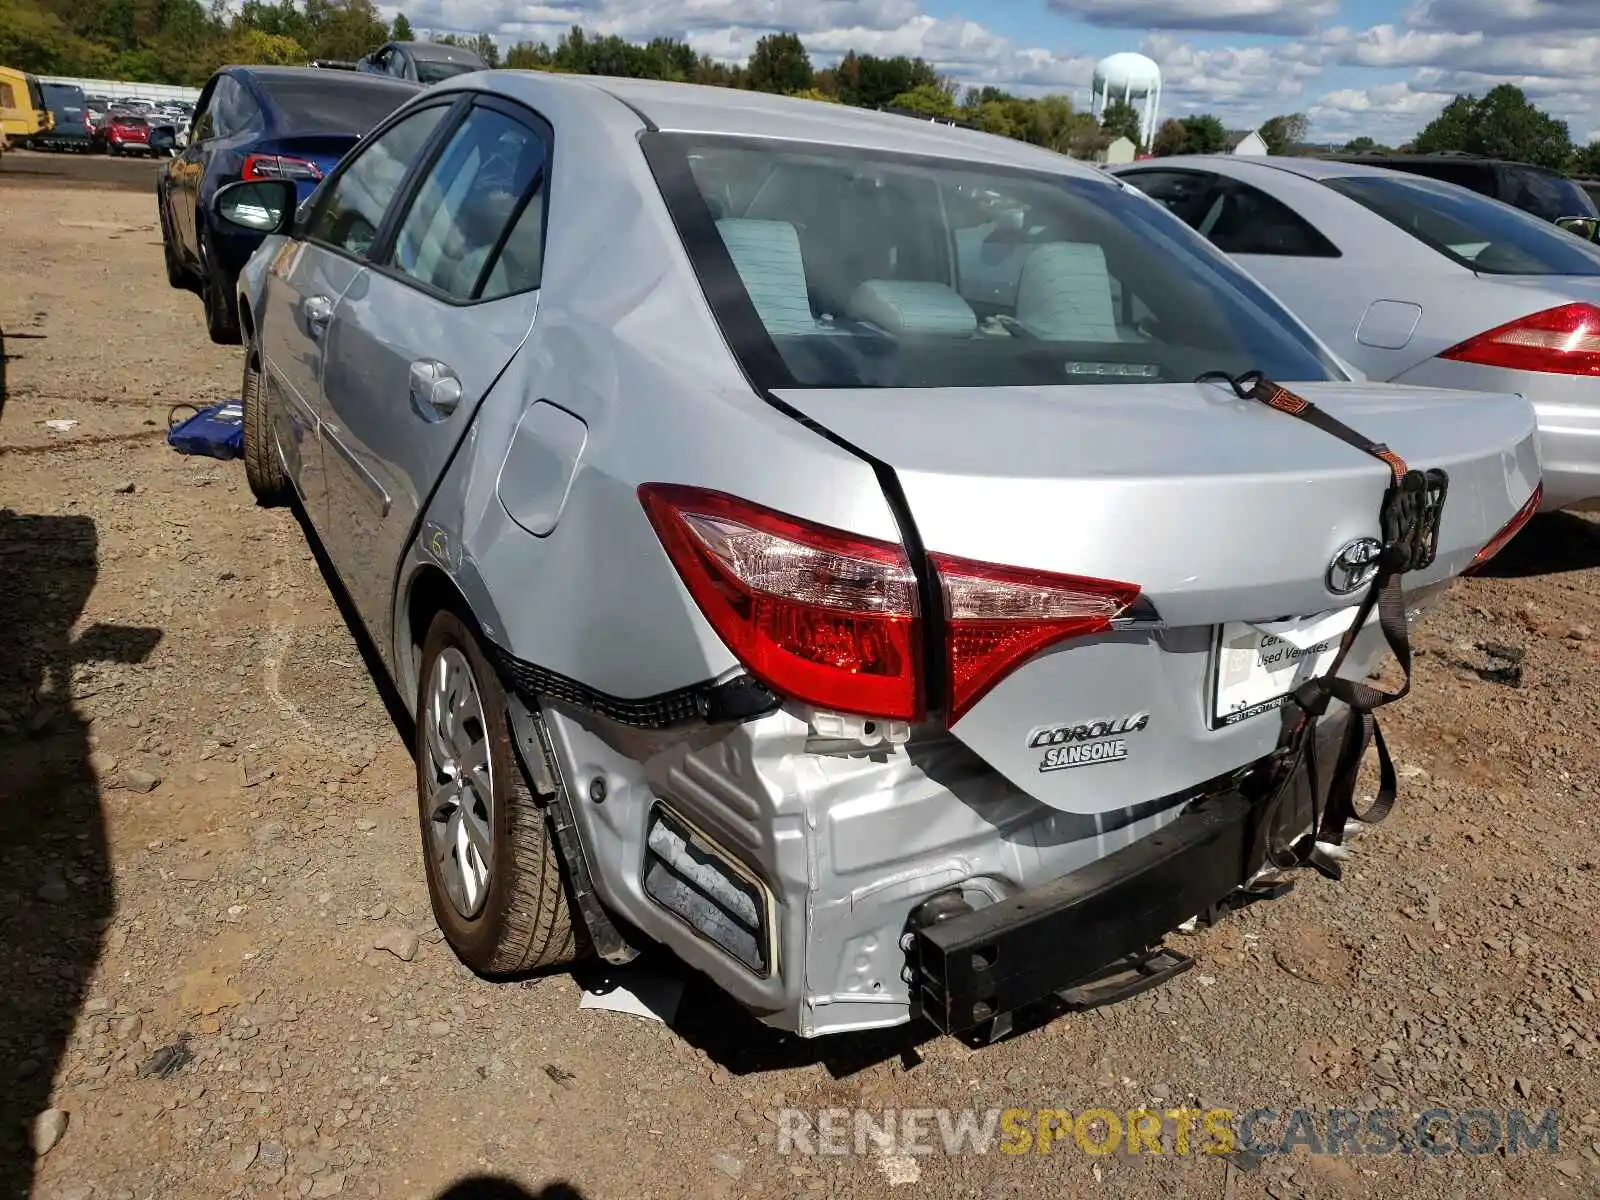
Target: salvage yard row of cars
x=900, y=570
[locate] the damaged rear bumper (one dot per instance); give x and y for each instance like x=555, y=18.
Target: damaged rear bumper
x=796, y=878
x=975, y=965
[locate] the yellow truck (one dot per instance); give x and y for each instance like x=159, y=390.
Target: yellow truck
x=23, y=114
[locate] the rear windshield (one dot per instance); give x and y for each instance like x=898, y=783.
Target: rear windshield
x=131, y=122
x=333, y=102
x=1546, y=195
x=433, y=72
x=868, y=269
x=1476, y=232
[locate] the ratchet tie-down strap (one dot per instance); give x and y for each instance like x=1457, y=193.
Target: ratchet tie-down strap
x=1409, y=524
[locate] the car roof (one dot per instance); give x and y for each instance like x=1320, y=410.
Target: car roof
x=436, y=52
x=697, y=108
x=268, y=75
x=1307, y=168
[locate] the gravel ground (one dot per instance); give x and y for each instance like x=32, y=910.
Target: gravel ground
x=222, y=978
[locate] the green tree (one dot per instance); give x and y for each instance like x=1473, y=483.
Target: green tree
x=1121, y=119
x=1283, y=133
x=867, y=81
x=1586, y=162
x=1503, y=124
x=1206, y=134
x=1172, y=138
x=254, y=46
x=1364, y=145
x=928, y=99
x=486, y=48
x=779, y=64
x=529, y=56
x=184, y=41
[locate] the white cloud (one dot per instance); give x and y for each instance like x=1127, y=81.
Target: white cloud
x=1436, y=48
x=1504, y=16
x=729, y=29
x=1218, y=16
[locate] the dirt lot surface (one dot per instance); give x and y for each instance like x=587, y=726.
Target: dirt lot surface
x=27, y=168
x=207, y=832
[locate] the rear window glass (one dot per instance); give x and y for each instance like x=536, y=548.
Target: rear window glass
x=1546, y=195
x=1478, y=233
x=870, y=269
x=1475, y=177
x=135, y=122
x=433, y=72
x=335, y=103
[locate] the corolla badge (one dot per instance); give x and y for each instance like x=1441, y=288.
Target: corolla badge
x=1354, y=566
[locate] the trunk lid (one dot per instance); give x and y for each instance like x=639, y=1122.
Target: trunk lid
x=1221, y=510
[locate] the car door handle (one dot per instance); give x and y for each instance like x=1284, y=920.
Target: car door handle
x=318, y=311
x=435, y=389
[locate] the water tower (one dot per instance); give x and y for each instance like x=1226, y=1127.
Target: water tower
x=1129, y=77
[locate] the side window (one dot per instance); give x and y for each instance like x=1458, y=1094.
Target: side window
x=1475, y=178
x=7, y=98
x=518, y=265
x=1182, y=193
x=205, y=121
x=350, y=211
x=1540, y=194
x=225, y=107
x=395, y=64
x=466, y=203
x=1248, y=221
x=241, y=113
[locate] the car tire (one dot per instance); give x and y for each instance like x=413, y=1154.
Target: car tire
x=495, y=879
x=263, y=469
x=177, y=277
x=221, y=306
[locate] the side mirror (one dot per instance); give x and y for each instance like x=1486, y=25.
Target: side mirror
x=163, y=138
x=259, y=205
x=1588, y=228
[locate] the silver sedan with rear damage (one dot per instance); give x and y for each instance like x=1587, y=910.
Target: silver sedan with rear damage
x=805, y=539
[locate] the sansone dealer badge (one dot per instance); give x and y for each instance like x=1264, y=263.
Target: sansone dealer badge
x=1086, y=743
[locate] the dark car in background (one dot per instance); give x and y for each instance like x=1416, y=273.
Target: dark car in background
x=71, y=127
x=1546, y=194
x=421, y=62
x=291, y=123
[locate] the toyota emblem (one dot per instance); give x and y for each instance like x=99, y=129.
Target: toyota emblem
x=1354, y=566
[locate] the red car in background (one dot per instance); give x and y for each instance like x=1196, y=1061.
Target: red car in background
x=125, y=133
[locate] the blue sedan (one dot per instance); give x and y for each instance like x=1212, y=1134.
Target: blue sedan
x=292, y=123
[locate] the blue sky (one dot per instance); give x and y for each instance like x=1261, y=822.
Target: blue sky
x=1383, y=68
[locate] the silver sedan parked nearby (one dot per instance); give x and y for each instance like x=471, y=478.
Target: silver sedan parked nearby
x=803, y=542
x=1416, y=281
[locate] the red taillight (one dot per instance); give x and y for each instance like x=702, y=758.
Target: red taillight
x=1512, y=528
x=998, y=617
x=1561, y=341
x=823, y=616
x=279, y=166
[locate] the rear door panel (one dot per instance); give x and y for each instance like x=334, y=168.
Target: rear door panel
x=303, y=275
x=384, y=451
x=418, y=318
